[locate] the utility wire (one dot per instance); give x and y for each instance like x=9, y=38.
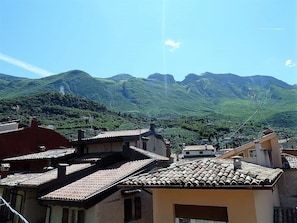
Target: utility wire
x=245, y=122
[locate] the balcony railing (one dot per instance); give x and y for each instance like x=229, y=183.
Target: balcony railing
x=285, y=215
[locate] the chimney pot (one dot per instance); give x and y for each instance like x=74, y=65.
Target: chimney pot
x=4, y=169
x=236, y=162
x=62, y=170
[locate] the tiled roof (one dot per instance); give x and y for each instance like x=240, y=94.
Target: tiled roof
x=198, y=147
x=96, y=182
x=123, y=133
x=36, y=179
x=49, y=154
x=289, y=161
x=16, y=179
x=207, y=173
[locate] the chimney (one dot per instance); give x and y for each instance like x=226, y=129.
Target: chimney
x=152, y=127
x=4, y=170
x=34, y=122
x=81, y=134
x=168, y=149
x=236, y=162
x=62, y=170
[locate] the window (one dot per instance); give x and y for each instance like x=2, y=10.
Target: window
x=72, y=216
x=132, y=209
x=200, y=214
x=252, y=153
x=144, y=145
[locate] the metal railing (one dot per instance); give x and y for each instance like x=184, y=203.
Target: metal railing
x=285, y=215
x=4, y=202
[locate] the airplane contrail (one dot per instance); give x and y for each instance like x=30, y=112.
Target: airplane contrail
x=24, y=65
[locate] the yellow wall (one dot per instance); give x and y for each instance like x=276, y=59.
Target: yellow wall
x=244, y=206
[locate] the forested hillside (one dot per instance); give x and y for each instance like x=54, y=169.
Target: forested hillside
x=203, y=104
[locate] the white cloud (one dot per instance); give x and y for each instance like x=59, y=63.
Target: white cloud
x=290, y=63
x=172, y=44
x=25, y=65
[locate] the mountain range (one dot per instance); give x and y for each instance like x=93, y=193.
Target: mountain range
x=259, y=98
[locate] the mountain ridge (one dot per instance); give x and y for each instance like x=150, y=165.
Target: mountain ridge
x=160, y=95
x=124, y=76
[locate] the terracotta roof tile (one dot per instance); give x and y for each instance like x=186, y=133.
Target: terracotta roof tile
x=36, y=179
x=16, y=179
x=97, y=182
x=49, y=154
x=207, y=173
x=289, y=161
x=50, y=175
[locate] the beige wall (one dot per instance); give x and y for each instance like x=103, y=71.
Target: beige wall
x=288, y=188
x=263, y=201
x=268, y=142
x=105, y=147
x=244, y=206
x=156, y=145
x=30, y=204
x=57, y=211
x=111, y=209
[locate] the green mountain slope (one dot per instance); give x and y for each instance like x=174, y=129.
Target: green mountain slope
x=161, y=96
x=66, y=113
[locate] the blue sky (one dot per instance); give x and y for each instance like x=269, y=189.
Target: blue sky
x=142, y=37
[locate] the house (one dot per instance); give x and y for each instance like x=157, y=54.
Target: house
x=96, y=198
x=190, y=151
x=22, y=190
x=113, y=141
x=211, y=190
x=81, y=190
x=79, y=184
x=264, y=151
x=20, y=141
